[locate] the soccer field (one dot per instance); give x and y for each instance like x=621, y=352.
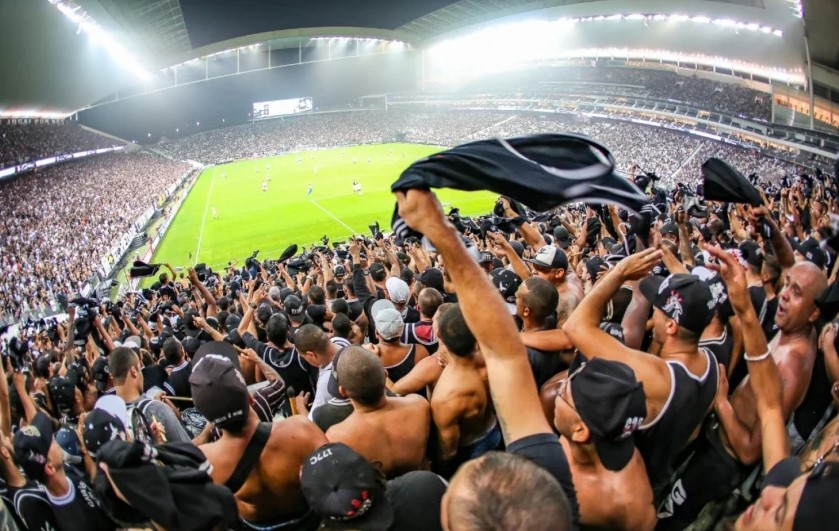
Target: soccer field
x=249, y=218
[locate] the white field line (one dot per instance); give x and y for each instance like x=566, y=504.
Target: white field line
x=204, y=218
x=330, y=214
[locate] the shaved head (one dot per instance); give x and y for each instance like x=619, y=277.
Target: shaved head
x=361, y=375
x=803, y=283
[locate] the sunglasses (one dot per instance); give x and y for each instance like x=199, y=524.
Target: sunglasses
x=562, y=391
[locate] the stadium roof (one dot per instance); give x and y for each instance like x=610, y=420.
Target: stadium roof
x=48, y=65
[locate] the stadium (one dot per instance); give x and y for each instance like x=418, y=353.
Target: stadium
x=395, y=263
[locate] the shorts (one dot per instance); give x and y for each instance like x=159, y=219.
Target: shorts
x=712, y=474
x=488, y=442
x=308, y=522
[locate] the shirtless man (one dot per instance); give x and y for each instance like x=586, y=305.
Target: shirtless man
x=734, y=439
x=526, y=430
x=259, y=462
x=424, y=376
x=390, y=430
x=461, y=404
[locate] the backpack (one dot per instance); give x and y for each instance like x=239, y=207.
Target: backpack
x=139, y=423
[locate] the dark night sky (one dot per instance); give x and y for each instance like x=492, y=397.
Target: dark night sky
x=209, y=21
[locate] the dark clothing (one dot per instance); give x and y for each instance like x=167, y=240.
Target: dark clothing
x=721, y=347
x=662, y=439
x=292, y=368
x=415, y=498
x=711, y=474
x=768, y=320
x=420, y=333
x=32, y=507
x=178, y=382
x=333, y=412
x=397, y=371
x=410, y=315
x=153, y=376
x=544, y=450
x=544, y=365
x=79, y=509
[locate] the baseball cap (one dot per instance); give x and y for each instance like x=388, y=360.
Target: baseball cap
x=133, y=342
x=219, y=391
x=191, y=346
x=100, y=373
x=377, y=271
x=669, y=228
x=550, y=257
x=811, y=251
x=612, y=403
x=387, y=319
x=293, y=306
x=63, y=393
x=517, y=247
x=397, y=290
x=32, y=445
x=101, y=427
x=340, y=270
x=68, y=440
x=507, y=283
x=752, y=253
x=485, y=257
x=719, y=291
x=345, y=490
x=682, y=297
x=432, y=278
x=562, y=237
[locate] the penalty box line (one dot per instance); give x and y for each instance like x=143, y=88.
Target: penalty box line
x=333, y=216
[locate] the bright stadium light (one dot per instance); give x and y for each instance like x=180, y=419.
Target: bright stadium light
x=98, y=36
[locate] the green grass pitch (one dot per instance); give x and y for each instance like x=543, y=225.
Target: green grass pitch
x=250, y=219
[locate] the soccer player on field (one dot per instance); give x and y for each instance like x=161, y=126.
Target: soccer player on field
x=309, y=190
x=356, y=188
x=264, y=186
x=213, y=211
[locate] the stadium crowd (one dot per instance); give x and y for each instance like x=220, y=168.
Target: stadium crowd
x=56, y=224
x=582, y=368
x=29, y=142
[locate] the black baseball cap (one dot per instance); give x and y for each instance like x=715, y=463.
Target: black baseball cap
x=752, y=253
x=340, y=270
x=562, y=237
x=507, y=283
x=219, y=391
x=719, y=291
x=294, y=307
x=612, y=403
x=63, y=393
x=191, y=346
x=517, y=247
x=682, y=297
x=32, y=445
x=812, y=252
x=100, y=373
x=345, y=490
x=669, y=228
x=377, y=271
x=550, y=257
x=486, y=257
x=101, y=427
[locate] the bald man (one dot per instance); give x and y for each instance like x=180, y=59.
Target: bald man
x=390, y=430
x=733, y=439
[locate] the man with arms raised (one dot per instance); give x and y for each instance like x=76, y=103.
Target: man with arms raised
x=516, y=400
x=391, y=430
x=258, y=462
x=733, y=439
x=681, y=382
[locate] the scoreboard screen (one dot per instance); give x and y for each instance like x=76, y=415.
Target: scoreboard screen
x=269, y=109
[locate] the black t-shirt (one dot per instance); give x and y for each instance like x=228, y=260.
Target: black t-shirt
x=33, y=507
x=415, y=498
x=411, y=315
x=356, y=309
x=544, y=450
x=178, y=382
x=79, y=509
x=154, y=375
x=292, y=368
x=544, y=365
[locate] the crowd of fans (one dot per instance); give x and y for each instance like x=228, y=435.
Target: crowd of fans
x=58, y=223
x=29, y=142
x=588, y=367
x=718, y=96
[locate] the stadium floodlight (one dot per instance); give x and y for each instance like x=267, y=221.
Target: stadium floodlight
x=635, y=16
x=177, y=130
x=727, y=22
x=614, y=17
x=701, y=20
x=197, y=123
x=752, y=27
x=659, y=17
x=86, y=23
x=766, y=29
x=678, y=18
x=778, y=33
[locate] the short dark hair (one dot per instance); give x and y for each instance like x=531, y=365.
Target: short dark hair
x=173, y=351
x=276, y=329
x=429, y=300
x=348, y=286
x=120, y=361
x=331, y=288
x=362, y=375
x=317, y=295
x=489, y=496
x=340, y=306
x=341, y=325
x=541, y=298
x=310, y=338
x=455, y=333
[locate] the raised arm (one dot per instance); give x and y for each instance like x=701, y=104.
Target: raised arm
x=212, y=309
x=780, y=245
x=764, y=378
x=511, y=382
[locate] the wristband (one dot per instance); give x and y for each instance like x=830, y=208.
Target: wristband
x=757, y=358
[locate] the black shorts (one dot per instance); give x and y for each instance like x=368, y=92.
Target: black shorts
x=711, y=474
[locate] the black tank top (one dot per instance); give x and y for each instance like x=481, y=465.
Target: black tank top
x=397, y=371
x=661, y=441
x=720, y=347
